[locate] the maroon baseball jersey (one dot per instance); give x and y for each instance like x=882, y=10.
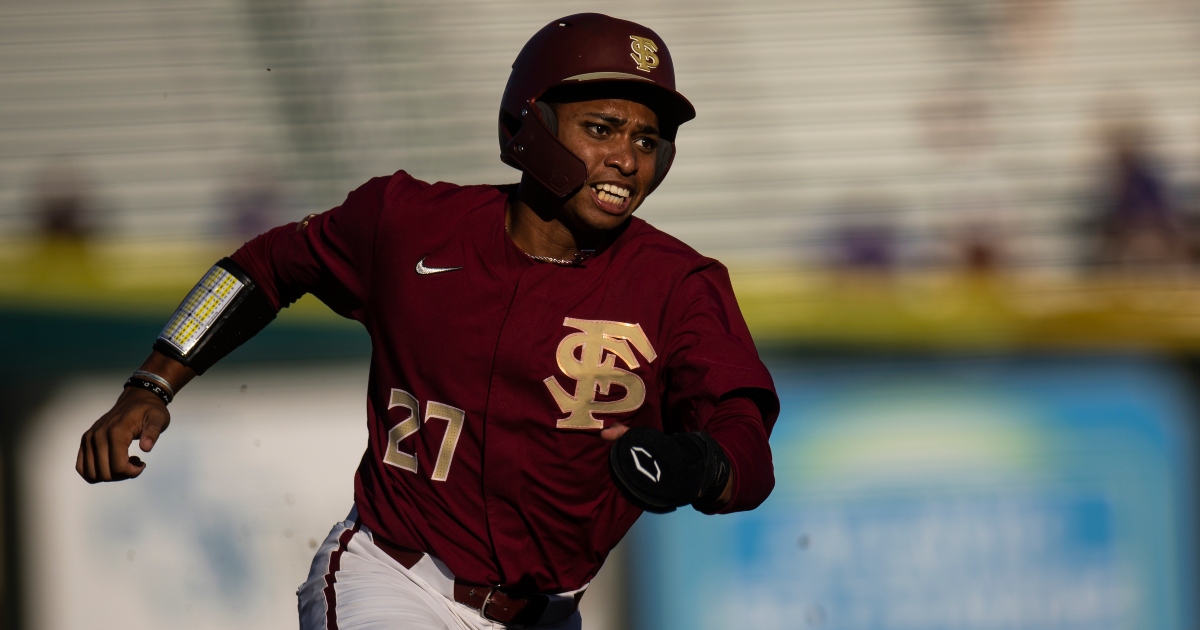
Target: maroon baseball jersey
x=492, y=374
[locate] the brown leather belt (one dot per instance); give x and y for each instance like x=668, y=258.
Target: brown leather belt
x=491, y=602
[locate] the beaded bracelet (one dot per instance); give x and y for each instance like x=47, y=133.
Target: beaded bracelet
x=151, y=376
x=150, y=386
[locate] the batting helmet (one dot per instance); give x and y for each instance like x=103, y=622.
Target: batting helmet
x=591, y=56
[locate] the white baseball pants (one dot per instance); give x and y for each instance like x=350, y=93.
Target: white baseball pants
x=355, y=585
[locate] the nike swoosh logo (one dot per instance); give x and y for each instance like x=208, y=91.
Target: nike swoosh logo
x=425, y=271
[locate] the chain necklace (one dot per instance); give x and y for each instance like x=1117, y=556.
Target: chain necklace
x=576, y=261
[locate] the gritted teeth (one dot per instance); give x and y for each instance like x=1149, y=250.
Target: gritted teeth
x=607, y=197
x=611, y=193
x=611, y=189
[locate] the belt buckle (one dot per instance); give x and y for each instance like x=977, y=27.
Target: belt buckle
x=487, y=600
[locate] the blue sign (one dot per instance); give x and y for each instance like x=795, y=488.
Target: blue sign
x=947, y=494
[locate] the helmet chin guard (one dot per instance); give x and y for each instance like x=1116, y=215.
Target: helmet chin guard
x=611, y=58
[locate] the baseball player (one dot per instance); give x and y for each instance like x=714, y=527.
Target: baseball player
x=544, y=366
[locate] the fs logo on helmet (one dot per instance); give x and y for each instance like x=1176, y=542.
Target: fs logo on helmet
x=643, y=53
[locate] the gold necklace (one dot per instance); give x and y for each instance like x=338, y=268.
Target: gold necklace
x=577, y=260
x=583, y=255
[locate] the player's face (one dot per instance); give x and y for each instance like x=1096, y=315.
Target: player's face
x=618, y=141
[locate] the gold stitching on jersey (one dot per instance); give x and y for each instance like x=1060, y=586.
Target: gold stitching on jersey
x=600, y=344
x=454, y=418
x=394, y=456
x=303, y=224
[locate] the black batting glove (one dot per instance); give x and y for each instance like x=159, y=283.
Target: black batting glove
x=659, y=472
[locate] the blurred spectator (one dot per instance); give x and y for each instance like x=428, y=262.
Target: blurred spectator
x=972, y=24
x=1137, y=225
x=1188, y=202
x=1016, y=28
x=252, y=204
x=64, y=209
x=63, y=201
x=1030, y=26
x=976, y=198
x=866, y=240
x=978, y=245
x=972, y=193
x=955, y=119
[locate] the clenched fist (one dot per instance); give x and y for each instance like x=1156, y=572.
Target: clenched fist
x=104, y=448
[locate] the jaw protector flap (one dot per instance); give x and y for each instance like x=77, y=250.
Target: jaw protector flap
x=536, y=150
x=662, y=161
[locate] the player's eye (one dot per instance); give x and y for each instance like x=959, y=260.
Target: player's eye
x=646, y=142
x=597, y=129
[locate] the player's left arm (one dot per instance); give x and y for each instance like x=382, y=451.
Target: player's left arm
x=719, y=408
x=690, y=467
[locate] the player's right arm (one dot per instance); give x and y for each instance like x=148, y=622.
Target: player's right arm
x=328, y=255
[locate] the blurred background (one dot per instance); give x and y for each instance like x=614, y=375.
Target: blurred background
x=965, y=234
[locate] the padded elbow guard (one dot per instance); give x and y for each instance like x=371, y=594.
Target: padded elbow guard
x=221, y=312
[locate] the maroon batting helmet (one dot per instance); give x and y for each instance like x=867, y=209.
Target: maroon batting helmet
x=585, y=56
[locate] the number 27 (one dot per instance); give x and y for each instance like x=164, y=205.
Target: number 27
x=408, y=461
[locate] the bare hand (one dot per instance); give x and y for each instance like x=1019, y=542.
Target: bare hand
x=613, y=433
x=104, y=449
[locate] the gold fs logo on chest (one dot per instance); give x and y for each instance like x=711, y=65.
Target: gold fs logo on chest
x=599, y=344
x=643, y=53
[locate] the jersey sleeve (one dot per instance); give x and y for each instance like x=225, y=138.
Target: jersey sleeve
x=737, y=425
x=712, y=362
x=329, y=255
